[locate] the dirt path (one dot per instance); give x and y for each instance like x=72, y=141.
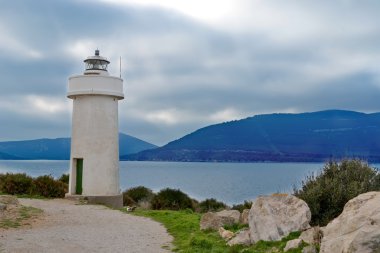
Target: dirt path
x=67, y=227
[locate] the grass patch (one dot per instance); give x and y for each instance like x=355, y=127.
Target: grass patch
x=20, y=216
x=235, y=227
x=188, y=238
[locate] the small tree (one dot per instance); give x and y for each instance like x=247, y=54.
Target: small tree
x=327, y=192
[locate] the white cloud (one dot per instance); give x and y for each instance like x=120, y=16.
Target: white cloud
x=227, y=114
x=11, y=44
x=210, y=11
x=48, y=105
x=162, y=117
x=41, y=106
x=81, y=48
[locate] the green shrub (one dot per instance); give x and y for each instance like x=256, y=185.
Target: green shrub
x=328, y=192
x=16, y=183
x=64, y=178
x=140, y=193
x=46, y=186
x=171, y=199
x=241, y=207
x=210, y=205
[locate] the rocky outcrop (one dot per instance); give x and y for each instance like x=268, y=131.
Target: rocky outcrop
x=242, y=238
x=309, y=249
x=357, y=229
x=312, y=235
x=292, y=244
x=216, y=220
x=274, y=217
x=225, y=234
x=244, y=216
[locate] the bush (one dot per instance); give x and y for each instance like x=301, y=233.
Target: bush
x=16, y=183
x=171, y=199
x=328, y=192
x=210, y=205
x=46, y=186
x=64, y=178
x=241, y=207
x=22, y=184
x=140, y=193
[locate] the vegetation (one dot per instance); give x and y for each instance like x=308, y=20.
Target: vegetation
x=210, y=205
x=24, y=185
x=16, y=183
x=64, y=178
x=328, y=192
x=47, y=186
x=137, y=194
x=128, y=201
x=184, y=227
x=241, y=207
x=171, y=199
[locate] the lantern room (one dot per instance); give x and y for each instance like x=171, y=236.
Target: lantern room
x=96, y=65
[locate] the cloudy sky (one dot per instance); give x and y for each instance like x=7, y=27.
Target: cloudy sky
x=187, y=64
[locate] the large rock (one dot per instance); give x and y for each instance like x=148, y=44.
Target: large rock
x=225, y=234
x=309, y=249
x=216, y=220
x=357, y=229
x=312, y=235
x=242, y=238
x=292, y=244
x=274, y=217
x=244, y=216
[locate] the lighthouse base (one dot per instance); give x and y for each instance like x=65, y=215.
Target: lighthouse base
x=115, y=201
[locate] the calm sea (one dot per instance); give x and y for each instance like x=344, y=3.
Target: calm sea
x=229, y=182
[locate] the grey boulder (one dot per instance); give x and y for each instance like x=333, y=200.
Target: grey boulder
x=216, y=220
x=274, y=217
x=356, y=229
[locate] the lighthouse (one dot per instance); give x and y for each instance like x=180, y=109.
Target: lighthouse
x=94, y=159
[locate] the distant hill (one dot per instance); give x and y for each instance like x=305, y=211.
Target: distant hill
x=129, y=144
x=315, y=136
x=5, y=156
x=59, y=149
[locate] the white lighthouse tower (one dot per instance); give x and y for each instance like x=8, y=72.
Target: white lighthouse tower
x=94, y=160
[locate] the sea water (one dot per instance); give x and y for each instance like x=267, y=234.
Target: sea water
x=231, y=183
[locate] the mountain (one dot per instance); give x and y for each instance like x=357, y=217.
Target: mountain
x=5, y=156
x=59, y=149
x=130, y=145
x=315, y=136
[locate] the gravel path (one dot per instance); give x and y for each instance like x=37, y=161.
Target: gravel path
x=67, y=227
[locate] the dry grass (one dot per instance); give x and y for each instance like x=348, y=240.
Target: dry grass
x=16, y=215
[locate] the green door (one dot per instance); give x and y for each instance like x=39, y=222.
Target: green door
x=78, y=189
